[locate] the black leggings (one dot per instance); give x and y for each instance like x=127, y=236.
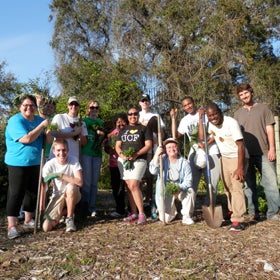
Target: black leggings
x=23, y=186
x=118, y=187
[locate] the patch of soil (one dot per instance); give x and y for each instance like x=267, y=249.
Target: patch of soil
x=105, y=248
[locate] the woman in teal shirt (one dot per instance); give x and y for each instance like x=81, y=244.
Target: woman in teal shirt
x=24, y=139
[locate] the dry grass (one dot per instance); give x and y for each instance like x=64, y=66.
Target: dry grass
x=103, y=248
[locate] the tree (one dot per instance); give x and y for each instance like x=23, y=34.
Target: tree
x=8, y=90
x=87, y=68
x=199, y=48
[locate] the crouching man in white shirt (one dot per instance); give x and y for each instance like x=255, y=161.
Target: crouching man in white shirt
x=66, y=172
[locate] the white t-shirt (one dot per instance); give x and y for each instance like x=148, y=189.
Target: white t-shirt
x=189, y=125
x=63, y=121
x=52, y=166
x=226, y=135
x=144, y=118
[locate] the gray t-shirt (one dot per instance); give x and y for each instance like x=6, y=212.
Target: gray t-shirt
x=253, y=124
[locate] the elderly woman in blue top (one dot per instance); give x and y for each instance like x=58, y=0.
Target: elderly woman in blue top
x=24, y=138
x=176, y=172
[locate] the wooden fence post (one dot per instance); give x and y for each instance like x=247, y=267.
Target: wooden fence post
x=277, y=147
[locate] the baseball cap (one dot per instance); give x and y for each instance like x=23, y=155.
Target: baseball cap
x=145, y=97
x=73, y=99
x=170, y=140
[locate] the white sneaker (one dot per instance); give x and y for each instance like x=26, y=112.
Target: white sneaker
x=275, y=217
x=70, y=226
x=13, y=233
x=29, y=225
x=93, y=214
x=187, y=221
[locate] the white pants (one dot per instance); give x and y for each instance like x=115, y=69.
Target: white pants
x=187, y=199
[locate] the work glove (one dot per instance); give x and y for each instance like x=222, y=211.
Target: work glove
x=127, y=164
x=51, y=176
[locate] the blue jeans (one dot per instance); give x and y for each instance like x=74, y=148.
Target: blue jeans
x=267, y=170
x=214, y=164
x=91, y=171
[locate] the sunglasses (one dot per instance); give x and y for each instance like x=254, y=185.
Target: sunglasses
x=94, y=107
x=74, y=104
x=28, y=105
x=145, y=100
x=133, y=114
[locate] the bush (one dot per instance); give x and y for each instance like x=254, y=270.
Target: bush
x=3, y=168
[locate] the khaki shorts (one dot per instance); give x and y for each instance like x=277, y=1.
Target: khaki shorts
x=57, y=204
x=136, y=173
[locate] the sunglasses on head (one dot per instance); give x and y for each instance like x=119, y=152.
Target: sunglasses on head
x=133, y=114
x=74, y=104
x=94, y=107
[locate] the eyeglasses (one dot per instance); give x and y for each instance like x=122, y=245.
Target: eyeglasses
x=145, y=100
x=74, y=104
x=94, y=107
x=28, y=105
x=132, y=114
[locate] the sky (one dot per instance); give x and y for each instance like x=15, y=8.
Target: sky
x=25, y=34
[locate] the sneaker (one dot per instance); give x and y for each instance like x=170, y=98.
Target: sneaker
x=187, y=221
x=236, y=227
x=93, y=214
x=275, y=217
x=115, y=214
x=131, y=218
x=70, y=226
x=13, y=233
x=228, y=216
x=29, y=225
x=62, y=220
x=141, y=219
x=252, y=217
x=257, y=217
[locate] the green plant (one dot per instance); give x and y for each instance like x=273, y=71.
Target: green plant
x=171, y=188
x=52, y=127
x=128, y=152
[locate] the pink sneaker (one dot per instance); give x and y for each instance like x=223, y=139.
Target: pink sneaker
x=131, y=218
x=142, y=219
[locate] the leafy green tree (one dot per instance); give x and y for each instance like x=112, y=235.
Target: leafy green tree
x=200, y=48
x=8, y=90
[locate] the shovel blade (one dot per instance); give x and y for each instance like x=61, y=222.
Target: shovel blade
x=213, y=215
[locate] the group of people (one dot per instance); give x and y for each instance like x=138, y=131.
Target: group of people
x=236, y=147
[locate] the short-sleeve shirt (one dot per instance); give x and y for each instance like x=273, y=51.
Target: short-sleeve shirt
x=145, y=117
x=19, y=154
x=189, y=125
x=135, y=137
x=69, y=168
x=225, y=136
x=93, y=146
x=65, y=123
x=253, y=124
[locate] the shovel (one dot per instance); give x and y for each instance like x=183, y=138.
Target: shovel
x=213, y=214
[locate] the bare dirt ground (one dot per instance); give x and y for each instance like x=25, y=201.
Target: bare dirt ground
x=105, y=248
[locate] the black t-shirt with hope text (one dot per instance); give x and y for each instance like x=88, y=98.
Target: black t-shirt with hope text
x=135, y=137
